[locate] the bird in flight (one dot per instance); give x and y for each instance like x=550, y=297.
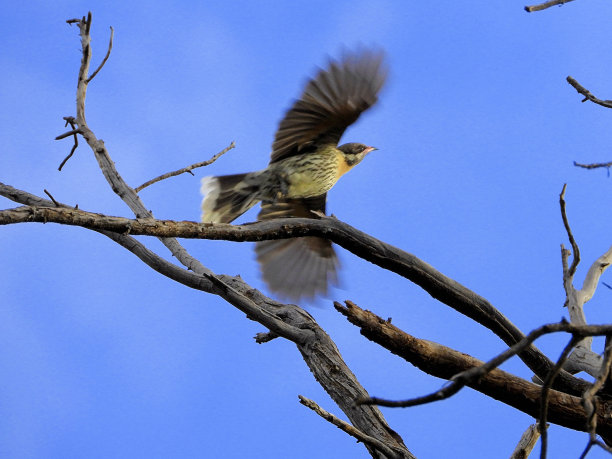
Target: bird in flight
x=305, y=164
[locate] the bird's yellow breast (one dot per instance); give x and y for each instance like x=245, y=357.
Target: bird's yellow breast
x=315, y=174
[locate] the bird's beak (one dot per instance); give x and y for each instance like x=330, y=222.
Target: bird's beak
x=369, y=149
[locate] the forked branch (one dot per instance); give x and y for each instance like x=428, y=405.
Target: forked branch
x=288, y=321
x=187, y=169
x=463, y=370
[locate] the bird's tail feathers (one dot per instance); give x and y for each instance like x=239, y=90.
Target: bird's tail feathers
x=226, y=198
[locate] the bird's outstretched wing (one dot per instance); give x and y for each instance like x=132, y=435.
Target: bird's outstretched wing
x=299, y=267
x=331, y=102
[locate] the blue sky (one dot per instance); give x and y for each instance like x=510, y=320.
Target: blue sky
x=477, y=131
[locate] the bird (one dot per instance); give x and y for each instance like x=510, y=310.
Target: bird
x=305, y=163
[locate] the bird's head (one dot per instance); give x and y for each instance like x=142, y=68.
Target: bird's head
x=355, y=152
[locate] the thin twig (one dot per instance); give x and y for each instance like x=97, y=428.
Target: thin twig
x=546, y=390
x=52, y=198
x=576, y=258
x=108, y=52
x=587, y=94
x=602, y=445
x=69, y=120
x=593, y=165
x=545, y=5
x=349, y=429
x=445, y=392
x=588, y=399
x=593, y=442
x=587, y=449
x=186, y=169
x=68, y=134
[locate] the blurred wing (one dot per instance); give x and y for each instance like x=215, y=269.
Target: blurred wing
x=331, y=102
x=298, y=267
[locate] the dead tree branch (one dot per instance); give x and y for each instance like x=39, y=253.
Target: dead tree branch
x=295, y=324
x=384, y=255
x=526, y=443
x=587, y=94
x=589, y=399
x=583, y=358
x=545, y=5
x=349, y=429
x=463, y=370
x=546, y=392
x=73, y=133
x=594, y=165
x=288, y=321
x=108, y=52
x=185, y=169
x=569, y=273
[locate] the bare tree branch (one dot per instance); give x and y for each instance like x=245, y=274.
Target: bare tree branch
x=583, y=358
x=526, y=443
x=51, y=197
x=349, y=429
x=289, y=321
x=317, y=348
x=110, y=47
x=587, y=94
x=384, y=255
x=576, y=259
x=186, y=169
x=594, y=165
x=463, y=370
x=69, y=120
x=546, y=392
x=588, y=399
x=592, y=443
x=545, y=5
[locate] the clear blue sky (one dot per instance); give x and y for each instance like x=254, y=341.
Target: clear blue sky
x=477, y=131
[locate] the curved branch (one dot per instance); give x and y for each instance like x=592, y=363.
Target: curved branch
x=208, y=162
x=317, y=349
x=293, y=323
x=594, y=165
x=545, y=392
x=545, y=5
x=361, y=244
x=464, y=370
x=568, y=275
x=110, y=48
x=349, y=429
x=587, y=94
x=436, y=284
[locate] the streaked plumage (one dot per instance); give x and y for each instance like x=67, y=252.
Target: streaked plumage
x=305, y=164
